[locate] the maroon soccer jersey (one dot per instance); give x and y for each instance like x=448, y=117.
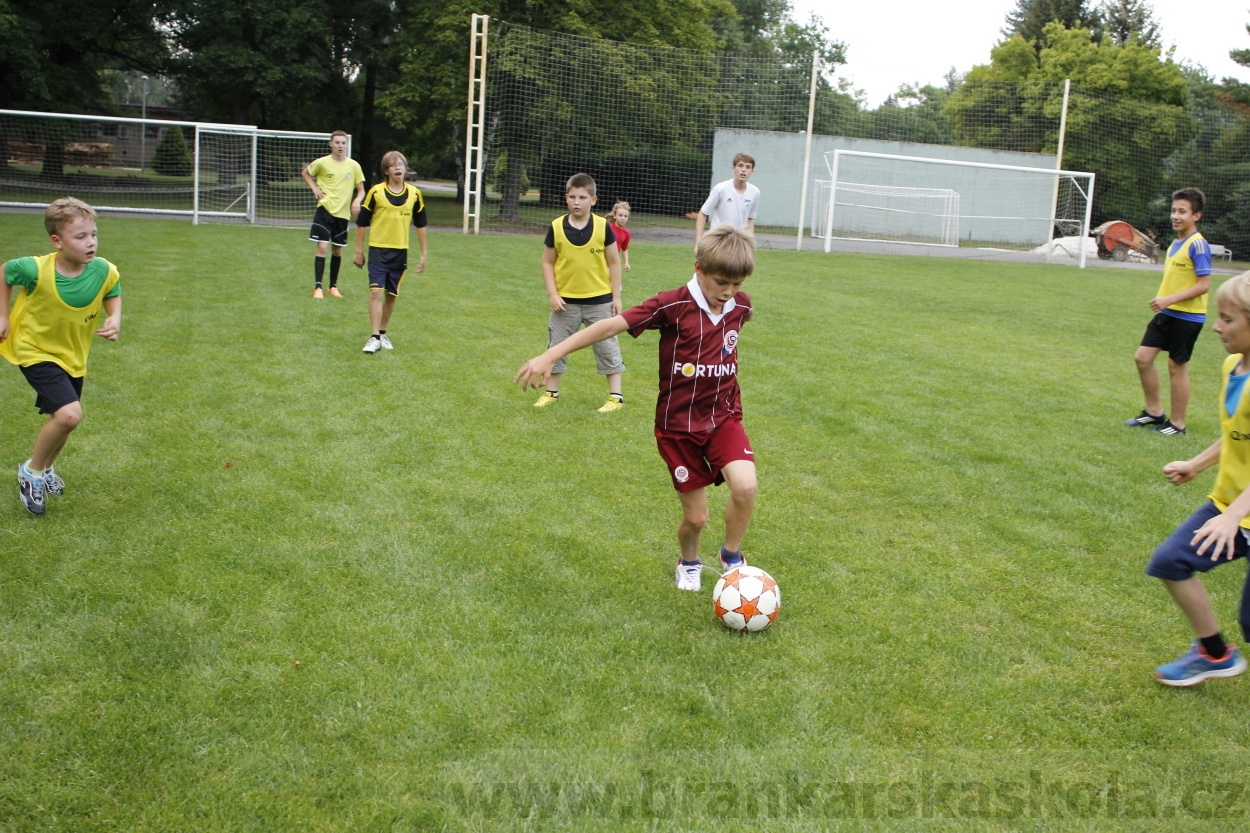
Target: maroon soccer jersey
x=698, y=357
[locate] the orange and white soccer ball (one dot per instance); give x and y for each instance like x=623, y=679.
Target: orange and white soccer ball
x=746, y=599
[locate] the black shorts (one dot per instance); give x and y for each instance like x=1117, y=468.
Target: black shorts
x=326, y=228
x=1174, y=335
x=386, y=268
x=54, y=387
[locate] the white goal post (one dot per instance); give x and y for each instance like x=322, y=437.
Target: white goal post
x=934, y=211
x=917, y=199
x=156, y=166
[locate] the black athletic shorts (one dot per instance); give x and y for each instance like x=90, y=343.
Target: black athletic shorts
x=54, y=387
x=326, y=228
x=1174, y=335
x=386, y=268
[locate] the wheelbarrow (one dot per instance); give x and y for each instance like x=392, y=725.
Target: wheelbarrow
x=1117, y=238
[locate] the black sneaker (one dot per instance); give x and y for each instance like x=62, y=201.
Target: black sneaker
x=1167, y=428
x=1146, y=418
x=30, y=490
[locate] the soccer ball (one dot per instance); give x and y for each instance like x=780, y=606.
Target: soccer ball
x=746, y=599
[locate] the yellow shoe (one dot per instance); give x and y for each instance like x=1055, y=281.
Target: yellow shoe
x=334, y=290
x=545, y=400
x=613, y=404
x=317, y=293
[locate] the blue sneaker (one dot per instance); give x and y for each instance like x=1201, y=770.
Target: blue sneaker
x=52, y=485
x=1196, y=665
x=30, y=490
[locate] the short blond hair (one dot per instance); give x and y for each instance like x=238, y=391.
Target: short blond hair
x=726, y=251
x=1235, y=292
x=391, y=157
x=64, y=211
x=744, y=157
x=581, y=181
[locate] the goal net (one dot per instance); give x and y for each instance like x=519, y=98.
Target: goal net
x=901, y=212
x=950, y=202
x=203, y=171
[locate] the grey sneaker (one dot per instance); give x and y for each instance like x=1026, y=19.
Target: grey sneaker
x=52, y=484
x=30, y=490
x=689, y=576
x=373, y=345
x=386, y=343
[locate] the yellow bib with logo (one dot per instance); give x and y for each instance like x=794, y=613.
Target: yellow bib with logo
x=1178, y=274
x=1234, y=474
x=582, y=271
x=43, y=328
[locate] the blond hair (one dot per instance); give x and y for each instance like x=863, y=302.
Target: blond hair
x=726, y=251
x=744, y=157
x=620, y=205
x=1235, y=292
x=581, y=181
x=64, y=211
x=392, y=157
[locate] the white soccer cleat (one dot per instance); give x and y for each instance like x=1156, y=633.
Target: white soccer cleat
x=689, y=576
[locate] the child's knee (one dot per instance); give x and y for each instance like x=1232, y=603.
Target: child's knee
x=1178, y=368
x=695, y=516
x=68, y=416
x=1144, y=357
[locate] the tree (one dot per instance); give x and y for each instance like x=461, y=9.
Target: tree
x=1119, y=90
x=171, y=157
x=1123, y=19
x=265, y=62
x=1030, y=17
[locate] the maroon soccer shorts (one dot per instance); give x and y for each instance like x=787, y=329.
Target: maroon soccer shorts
x=696, y=460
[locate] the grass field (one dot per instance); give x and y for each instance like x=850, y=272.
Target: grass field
x=294, y=587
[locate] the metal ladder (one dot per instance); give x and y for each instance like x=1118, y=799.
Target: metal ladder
x=475, y=131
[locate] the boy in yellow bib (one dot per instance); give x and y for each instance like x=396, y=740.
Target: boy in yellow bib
x=48, y=334
x=1180, y=311
x=582, y=271
x=389, y=209
x=1219, y=528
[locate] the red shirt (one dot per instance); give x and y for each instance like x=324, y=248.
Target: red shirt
x=698, y=358
x=622, y=236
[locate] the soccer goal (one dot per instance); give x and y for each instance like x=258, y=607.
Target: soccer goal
x=905, y=213
x=950, y=202
x=204, y=171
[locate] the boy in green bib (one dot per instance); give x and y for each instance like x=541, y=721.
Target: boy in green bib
x=48, y=333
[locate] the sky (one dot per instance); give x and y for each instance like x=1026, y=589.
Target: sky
x=895, y=42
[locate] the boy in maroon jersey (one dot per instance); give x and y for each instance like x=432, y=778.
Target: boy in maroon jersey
x=698, y=415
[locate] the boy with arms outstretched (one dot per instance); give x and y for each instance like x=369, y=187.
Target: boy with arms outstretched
x=48, y=333
x=698, y=415
x=390, y=208
x=1180, y=311
x=582, y=271
x=1218, y=529
x=734, y=201
x=332, y=179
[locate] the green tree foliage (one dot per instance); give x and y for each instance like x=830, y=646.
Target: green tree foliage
x=53, y=52
x=1029, y=18
x=265, y=62
x=1123, y=19
x=171, y=157
x=1120, y=90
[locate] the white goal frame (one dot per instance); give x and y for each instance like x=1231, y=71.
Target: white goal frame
x=833, y=160
x=244, y=207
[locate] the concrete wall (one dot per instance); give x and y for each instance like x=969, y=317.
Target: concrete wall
x=983, y=193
